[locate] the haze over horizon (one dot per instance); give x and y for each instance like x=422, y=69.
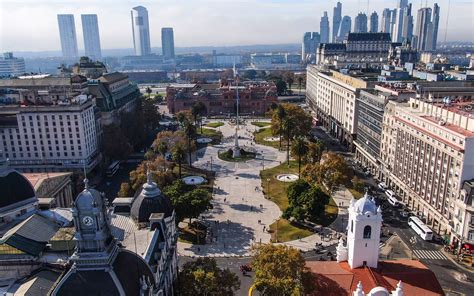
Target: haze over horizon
x=29, y=25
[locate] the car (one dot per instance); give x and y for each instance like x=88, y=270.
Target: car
x=404, y=214
x=382, y=186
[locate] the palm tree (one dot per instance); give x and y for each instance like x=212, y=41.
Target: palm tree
x=299, y=148
x=300, y=83
x=281, y=114
x=287, y=126
x=198, y=110
x=148, y=91
x=179, y=155
x=190, y=132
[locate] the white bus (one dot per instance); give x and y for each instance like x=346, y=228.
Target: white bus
x=420, y=228
x=392, y=198
x=113, y=168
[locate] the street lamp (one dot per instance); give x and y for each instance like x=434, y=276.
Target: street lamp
x=263, y=162
x=211, y=163
x=268, y=186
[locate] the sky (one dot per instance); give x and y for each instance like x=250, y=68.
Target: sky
x=31, y=25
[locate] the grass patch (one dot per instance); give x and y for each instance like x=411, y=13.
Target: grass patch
x=287, y=231
x=214, y=124
x=276, y=191
x=244, y=155
x=208, y=132
x=265, y=133
x=355, y=193
x=261, y=123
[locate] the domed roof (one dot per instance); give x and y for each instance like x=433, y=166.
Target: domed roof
x=150, y=200
x=366, y=204
x=88, y=198
x=128, y=268
x=14, y=187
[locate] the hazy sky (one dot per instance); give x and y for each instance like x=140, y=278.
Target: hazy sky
x=31, y=25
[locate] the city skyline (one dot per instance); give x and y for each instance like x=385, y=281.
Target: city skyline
x=288, y=18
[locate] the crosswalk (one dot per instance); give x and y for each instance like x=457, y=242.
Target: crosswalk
x=433, y=255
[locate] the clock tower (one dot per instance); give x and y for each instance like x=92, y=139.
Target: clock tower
x=93, y=236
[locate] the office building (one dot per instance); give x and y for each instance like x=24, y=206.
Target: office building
x=385, y=25
x=423, y=29
x=11, y=66
x=344, y=28
x=324, y=28
x=67, y=34
x=141, y=31
x=167, y=43
x=310, y=43
x=336, y=21
x=360, y=23
x=435, y=22
x=407, y=31
x=374, y=22
x=90, y=30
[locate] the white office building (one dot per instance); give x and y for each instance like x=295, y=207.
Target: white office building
x=11, y=66
x=140, y=30
x=67, y=33
x=90, y=30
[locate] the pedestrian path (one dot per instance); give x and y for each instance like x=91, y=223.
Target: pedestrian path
x=433, y=255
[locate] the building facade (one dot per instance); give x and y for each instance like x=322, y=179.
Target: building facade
x=67, y=34
x=11, y=66
x=141, y=31
x=167, y=43
x=90, y=31
x=255, y=98
x=310, y=43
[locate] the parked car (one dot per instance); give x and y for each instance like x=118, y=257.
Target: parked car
x=382, y=186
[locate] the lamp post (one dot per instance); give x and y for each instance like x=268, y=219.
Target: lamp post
x=211, y=163
x=263, y=161
x=268, y=186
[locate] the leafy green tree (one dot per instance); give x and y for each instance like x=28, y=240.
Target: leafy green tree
x=148, y=91
x=315, y=151
x=281, y=271
x=281, y=87
x=300, y=83
x=203, y=277
x=299, y=148
x=290, y=79
x=305, y=201
x=125, y=190
x=277, y=121
x=162, y=148
x=115, y=144
x=188, y=202
x=151, y=116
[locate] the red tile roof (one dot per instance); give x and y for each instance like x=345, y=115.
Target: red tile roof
x=333, y=278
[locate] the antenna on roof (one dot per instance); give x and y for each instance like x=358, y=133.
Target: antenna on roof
x=447, y=22
x=86, y=181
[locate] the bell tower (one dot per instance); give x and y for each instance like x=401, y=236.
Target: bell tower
x=363, y=233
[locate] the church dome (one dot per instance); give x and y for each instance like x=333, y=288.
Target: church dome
x=88, y=198
x=150, y=200
x=366, y=204
x=14, y=187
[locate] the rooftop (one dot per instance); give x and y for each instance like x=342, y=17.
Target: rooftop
x=369, y=37
x=37, y=178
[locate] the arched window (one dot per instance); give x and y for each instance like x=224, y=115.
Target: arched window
x=367, y=231
x=352, y=226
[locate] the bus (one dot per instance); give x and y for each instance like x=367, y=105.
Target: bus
x=420, y=228
x=113, y=168
x=392, y=198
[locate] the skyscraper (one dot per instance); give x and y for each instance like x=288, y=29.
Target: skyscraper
x=385, y=26
x=407, y=32
x=360, y=23
x=324, y=28
x=374, y=22
x=167, y=43
x=67, y=33
x=90, y=30
x=423, y=21
x=398, y=27
x=345, y=28
x=336, y=20
x=311, y=42
x=141, y=31
x=435, y=22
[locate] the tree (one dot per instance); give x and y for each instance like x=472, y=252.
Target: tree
x=188, y=202
x=115, y=144
x=280, y=271
x=305, y=202
x=299, y=148
x=358, y=184
x=190, y=132
x=125, y=190
x=287, y=126
x=148, y=91
x=179, y=154
x=203, y=277
x=151, y=116
x=277, y=121
x=162, y=148
x=250, y=74
x=315, y=151
x=290, y=79
x=332, y=171
x=281, y=87
x=198, y=110
x=300, y=83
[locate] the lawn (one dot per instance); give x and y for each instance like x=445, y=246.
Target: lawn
x=214, y=124
x=355, y=193
x=276, y=192
x=265, y=133
x=208, y=132
x=261, y=123
x=244, y=156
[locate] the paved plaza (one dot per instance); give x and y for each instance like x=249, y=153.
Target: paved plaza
x=241, y=214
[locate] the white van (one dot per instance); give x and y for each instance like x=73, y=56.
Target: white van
x=382, y=186
x=392, y=198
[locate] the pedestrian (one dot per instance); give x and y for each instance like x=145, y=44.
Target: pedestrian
x=264, y=227
x=199, y=249
x=225, y=199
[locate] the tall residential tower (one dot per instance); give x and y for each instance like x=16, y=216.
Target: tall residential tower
x=324, y=28
x=345, y=28
x=67, y=33
x=360, y=23
x=167, y=43
x=374, y=22
x=90, y=30
x=141, y=31
x=336, y=21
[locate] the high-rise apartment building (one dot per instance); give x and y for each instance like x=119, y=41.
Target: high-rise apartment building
x=385, y=25
x=336, y=21
x=90, y=30
x=310, y=43
x=324, y=28
x=423, y=22
x=360, y=23
x=67, y=33
x=140, y=30
x=374, y=22
x=344, y=28
x=167, y=43
x=12, y=66
x=435, y=22
x=407, y=32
